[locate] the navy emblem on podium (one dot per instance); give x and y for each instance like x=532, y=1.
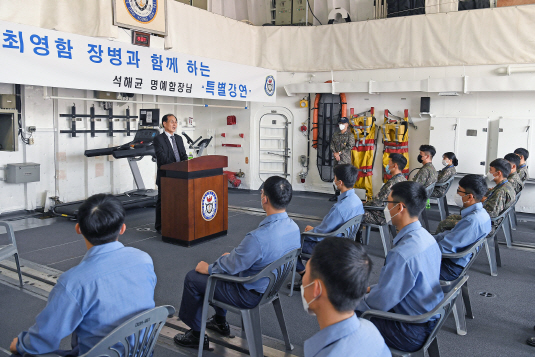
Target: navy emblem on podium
x=209, y=205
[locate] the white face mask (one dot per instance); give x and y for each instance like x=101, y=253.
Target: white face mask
x=445, y=163
x=386, y=211
x=306, y=305
x=490, y=176
x=342, y=126
x=459, y=201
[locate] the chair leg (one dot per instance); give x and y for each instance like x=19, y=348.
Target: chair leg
x=433, y=349
x=280, y=317
x=253, y=331
x=383, y=239
x=491, y=255
x=441, y=209
x=512, y=219
x=497, y=250
x=18, y=269
x=204, y=317
x=459, y=316
x=506, y=226
x=466, y=299
x=293, y=279
x=366, y=239
x=426, y=221
x=446, y=209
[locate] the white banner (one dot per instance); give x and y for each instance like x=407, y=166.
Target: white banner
x=35, y=56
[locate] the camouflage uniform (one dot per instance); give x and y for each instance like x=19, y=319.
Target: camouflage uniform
x=523, y=172
x=378, y=217
x=343, y=143
x=498, y=200
x=427, y=175
x=443, y=175
x=516, y=182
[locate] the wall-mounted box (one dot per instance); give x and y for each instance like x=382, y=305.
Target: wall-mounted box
x=9, y=130
x=105, y=95
x=7, y=101
x=22, y=173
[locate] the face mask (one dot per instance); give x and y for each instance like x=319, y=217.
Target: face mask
x=420, y=159
x=386, y=212
x=387, y=170
x=306, y=305
x=459, y=201
x=341, y=126
x=490, y=176
x=444, y=163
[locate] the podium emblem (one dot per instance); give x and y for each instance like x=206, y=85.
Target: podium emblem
x=209, y=205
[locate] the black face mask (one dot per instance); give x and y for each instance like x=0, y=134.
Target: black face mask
x=420, y=159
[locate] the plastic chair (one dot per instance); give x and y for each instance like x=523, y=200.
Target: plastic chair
x=459, y=311
x=429, y=190
x=276, y=272
x=512, y=216
x=383, y=229
x=491, y=242
x=9, y=250
x=347, y=230
x=443, y=309
x=142, y=330
x=441, y=200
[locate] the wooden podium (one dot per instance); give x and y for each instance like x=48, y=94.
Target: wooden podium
x=194, y=200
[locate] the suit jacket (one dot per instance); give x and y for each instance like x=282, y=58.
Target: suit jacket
x=164, y=152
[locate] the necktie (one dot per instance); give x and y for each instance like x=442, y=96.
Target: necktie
x=175, y=150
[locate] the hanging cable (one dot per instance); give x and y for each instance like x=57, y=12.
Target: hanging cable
x=312, y=12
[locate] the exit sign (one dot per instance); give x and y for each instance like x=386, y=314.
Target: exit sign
x=140, y=38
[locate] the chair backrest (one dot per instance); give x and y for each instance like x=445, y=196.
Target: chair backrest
x=350, y=228
x=500, y=218
x=429, y=189
x=135, y=337
x=443, y=308
x=276, y=272
x=474, y=249
x=446, y=184
x=10, y=232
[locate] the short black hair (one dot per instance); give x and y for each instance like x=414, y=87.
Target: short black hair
x=513, y=158
x=502, y=165
x=346, y=173
x=278, y=191
x=451, y=156
x=475, y=185
x=344, y=267
x=523, y=152
x=430, y=149
x=166, y=116
x=398, y=159
x=412, y=195
x=101, y=218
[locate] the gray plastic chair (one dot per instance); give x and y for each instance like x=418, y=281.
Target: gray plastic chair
x=443, y=309
x=429, y=190
x=384, y=230
x=441, y=200
x=346, y=230
x=460, y=310
x=6, y=251
x=142, y=329
x=276, y=272
x=491, y=242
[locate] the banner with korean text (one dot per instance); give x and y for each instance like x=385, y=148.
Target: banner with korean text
x=35, y=56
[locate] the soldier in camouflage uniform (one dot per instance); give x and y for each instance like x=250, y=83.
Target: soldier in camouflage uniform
x=523, y=168
x=514, y=178
x=449, y=160
x=427, y=174
x=396, y=164
x=342, y=143
x=497, y=199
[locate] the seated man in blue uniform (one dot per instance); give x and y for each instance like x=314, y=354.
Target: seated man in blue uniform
x=474, y=225
x=111, y=284
x=336, y=278
x=276, y=236
x=409, y=280
x=348, y=206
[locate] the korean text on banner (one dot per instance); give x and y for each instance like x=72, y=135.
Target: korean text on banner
x=35, y=56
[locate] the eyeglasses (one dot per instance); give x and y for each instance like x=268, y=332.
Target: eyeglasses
x=466, y=193
x=385, y=202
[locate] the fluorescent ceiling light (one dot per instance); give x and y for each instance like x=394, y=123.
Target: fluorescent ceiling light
x=448, y=94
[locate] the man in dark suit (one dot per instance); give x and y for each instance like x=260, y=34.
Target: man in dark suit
x=169, y=148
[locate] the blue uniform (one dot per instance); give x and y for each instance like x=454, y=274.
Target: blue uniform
x=111, y=284
x=352, y=337
x=276, y=235
x=348, y=206
x=474, y=225
x=409, y=280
